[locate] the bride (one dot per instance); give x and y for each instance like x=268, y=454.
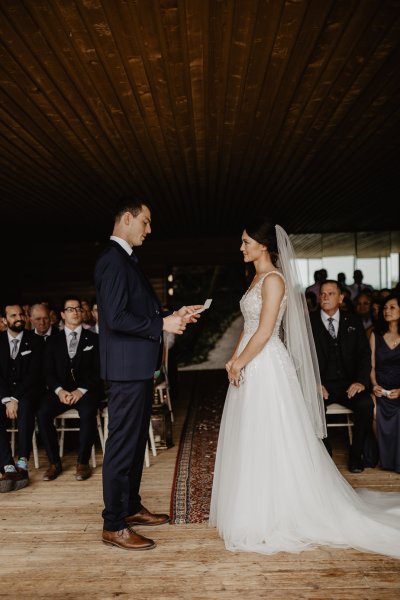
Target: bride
x=275, y=486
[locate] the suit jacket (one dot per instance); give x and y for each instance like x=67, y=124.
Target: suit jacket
x=21, y=377
x=130, y=318
x=353, y=347
x=85, y=365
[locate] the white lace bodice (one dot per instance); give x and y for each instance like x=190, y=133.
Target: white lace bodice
x=251, y=304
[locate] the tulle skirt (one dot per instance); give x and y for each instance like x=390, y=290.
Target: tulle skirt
x=275, y=486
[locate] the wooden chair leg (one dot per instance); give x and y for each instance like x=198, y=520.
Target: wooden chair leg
x=152, y=441
x=35, y=451
x=147, y=456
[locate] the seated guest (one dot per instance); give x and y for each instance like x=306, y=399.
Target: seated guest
x=95, y=315
x=385, y=378
x=312, y=302
x=40, y=319
x=363, y=307
x=55, y=318
x=87, y=317
x=21, y=385
x=341, y=277
x=358, y=286
x=344, y=359
x=71, y=366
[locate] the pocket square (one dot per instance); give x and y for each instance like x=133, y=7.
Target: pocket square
x=86, y=348
x=26, y=352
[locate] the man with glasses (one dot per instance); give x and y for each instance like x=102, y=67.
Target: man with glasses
x=71, y=366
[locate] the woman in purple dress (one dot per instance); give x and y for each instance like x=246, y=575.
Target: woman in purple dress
x=385, y=377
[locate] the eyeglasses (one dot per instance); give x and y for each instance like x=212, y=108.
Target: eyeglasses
x=71, y=309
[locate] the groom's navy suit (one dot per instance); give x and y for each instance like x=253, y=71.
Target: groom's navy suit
x=130, y=328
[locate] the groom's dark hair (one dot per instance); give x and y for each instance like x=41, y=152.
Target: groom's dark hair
x=129, y=204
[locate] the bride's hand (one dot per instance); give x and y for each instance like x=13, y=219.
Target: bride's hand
x=234, y=373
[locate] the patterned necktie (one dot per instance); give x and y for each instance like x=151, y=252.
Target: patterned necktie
x=73, y=344
x=331, y=328
x=45, y=336
x=14, y=350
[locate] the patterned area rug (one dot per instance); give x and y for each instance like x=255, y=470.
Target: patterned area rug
x=191, y=490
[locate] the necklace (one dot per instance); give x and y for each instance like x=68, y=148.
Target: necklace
x=393, y=343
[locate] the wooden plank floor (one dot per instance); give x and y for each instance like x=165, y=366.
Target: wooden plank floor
x=50, y=547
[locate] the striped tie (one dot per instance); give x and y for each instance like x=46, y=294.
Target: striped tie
x=14, y=350
x=73, y=344
x=331, y=328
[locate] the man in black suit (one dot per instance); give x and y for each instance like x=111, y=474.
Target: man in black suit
x=344, y=359
x=39, y=315
x=131, y=323
x=72, y=373
x=21, y=384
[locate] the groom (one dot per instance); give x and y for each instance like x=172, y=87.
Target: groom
x=130, y=335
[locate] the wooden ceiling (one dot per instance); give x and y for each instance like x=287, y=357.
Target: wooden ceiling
x=209, y=109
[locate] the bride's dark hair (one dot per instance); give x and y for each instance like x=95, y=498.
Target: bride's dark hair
x=264, y=232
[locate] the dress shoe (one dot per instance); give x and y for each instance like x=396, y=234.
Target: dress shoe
x=127, y=539
x=355, y=466
x=82, y=472
x=12, y=481
x=52, y=472
x=144, y=517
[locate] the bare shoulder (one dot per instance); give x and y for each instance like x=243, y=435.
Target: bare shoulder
x=274, y=280
x=273, y=285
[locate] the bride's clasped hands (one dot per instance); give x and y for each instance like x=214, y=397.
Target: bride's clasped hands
x=235, y=372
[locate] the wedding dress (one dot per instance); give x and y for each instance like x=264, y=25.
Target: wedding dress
x=275, y=486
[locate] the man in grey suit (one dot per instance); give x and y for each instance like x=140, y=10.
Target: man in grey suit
x=131, y=323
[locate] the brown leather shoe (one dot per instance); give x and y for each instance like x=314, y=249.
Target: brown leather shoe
x=82, y=472
x=52, y=472
x=145, y=517
x=127, y=539
x=12, y=481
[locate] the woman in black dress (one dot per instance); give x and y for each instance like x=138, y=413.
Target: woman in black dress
x=385, y=377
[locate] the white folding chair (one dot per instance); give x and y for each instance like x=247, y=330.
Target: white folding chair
x=61, y=427
x=338, y=409
x=104, y=414
x=13, y=430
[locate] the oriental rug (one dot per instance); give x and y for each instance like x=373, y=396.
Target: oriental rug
x=191, y=489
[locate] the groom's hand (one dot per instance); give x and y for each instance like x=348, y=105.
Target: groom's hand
x=188, y=313
x=174, y=324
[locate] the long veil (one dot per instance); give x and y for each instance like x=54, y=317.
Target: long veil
x=298, y=335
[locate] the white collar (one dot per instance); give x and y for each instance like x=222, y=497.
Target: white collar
x=17, y=337
x=335, y=317
x=68, y=331
x=123, y=243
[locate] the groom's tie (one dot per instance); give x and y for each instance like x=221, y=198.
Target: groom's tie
x=133, y=257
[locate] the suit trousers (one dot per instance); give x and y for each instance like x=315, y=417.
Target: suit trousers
x=87, y=409
x=362, y=406
x=5, y=448
x=129, y=412
x=25, y=423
